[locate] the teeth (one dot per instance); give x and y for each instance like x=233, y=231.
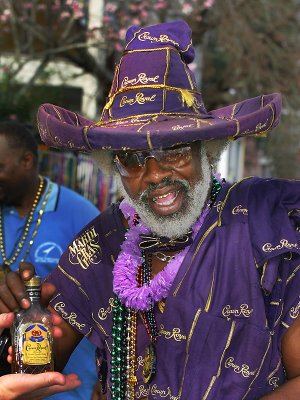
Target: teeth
x=172, y=195
x=163, y=196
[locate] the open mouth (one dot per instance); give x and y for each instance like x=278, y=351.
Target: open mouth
x=166, y=199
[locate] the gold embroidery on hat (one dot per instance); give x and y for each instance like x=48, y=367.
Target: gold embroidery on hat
x=111, y=123
x=76, y=118
x=233, y=110
x=142, y=78
x=134, y=36
x=260, y=126
x=115, y=82
x=139, y=98
x=48, y=130
x=147, y=123
x=58, y=113
x=237, y=126
x=185, y=93
x=85, y=135
x=149, y=140
x=181, y=127
x=198, y=121
x=188, y=47
x=166, y=75
x=273, y=114
x=163, y=38
x=187, y=71
x=151, y=50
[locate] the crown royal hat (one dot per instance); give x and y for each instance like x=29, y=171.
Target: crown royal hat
x=154, y=102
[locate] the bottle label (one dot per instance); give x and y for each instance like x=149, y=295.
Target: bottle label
x=36, y=348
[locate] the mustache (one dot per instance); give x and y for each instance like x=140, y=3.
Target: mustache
x=180, y=183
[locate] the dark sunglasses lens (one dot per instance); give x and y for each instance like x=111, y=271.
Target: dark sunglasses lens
x=130, y=162
x=177, y=157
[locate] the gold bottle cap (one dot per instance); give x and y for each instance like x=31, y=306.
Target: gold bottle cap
x=34, y=281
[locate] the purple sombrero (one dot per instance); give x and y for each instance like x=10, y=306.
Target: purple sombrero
x=154, y=102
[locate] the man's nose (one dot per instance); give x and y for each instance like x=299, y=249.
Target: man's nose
x=155, y=171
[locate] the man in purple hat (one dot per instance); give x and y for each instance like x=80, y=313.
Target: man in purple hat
x=189, y=287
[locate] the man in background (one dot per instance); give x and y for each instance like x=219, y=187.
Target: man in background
x=38, y=219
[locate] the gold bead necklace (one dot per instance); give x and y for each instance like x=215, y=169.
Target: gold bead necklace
x=21, y=241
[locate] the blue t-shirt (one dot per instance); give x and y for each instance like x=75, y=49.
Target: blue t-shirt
x=65, y=214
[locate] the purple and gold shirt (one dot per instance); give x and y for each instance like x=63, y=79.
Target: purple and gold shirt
x=234, y=297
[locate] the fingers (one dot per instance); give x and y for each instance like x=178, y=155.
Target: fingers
x=47, y=292
x=6, y=320
x=12, y=291
x=36, y=386
x=57, y=320
x=26, y=271
x=13, y=295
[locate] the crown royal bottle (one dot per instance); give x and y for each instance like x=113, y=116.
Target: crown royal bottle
x=32, y=335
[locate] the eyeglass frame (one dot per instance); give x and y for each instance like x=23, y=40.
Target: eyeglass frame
x=157, y=154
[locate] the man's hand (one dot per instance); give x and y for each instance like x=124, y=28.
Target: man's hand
x=35, y=387
x=13, y=294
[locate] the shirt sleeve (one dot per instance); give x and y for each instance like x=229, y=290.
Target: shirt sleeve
x=276, y=242
x=80, y=285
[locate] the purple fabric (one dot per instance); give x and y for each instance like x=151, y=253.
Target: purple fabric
x=154, y=101
x=214, y=341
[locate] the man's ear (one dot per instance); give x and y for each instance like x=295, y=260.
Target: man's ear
x=28, y=160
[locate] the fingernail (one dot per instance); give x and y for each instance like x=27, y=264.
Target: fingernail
x=25, y=303
x=26, y=274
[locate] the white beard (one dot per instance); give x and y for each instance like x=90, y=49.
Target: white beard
x=179, y=223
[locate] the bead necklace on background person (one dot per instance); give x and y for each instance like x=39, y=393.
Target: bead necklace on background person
x=192, y=291
x=38, y=220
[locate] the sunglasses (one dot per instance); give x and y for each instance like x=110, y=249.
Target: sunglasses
x=132, y=164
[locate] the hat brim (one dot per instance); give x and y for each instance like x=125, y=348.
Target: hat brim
x=65, y=129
